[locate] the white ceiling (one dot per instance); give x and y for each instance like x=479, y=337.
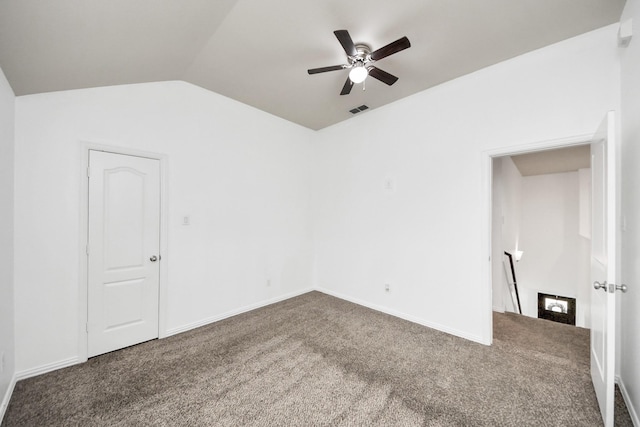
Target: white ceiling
x=553, y=161
x=258, y=51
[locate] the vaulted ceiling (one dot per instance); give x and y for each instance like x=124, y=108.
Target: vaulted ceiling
x=258, y=51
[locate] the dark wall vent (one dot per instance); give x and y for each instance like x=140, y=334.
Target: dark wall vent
x=358, y=109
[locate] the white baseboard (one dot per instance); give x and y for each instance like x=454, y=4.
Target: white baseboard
x=28, y=373
x=212, y=319
x=633, y=412
x=405, y=316
x=7, y=396
x=43, y=369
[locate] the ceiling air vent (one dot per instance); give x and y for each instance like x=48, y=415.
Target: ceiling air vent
x=358, y=109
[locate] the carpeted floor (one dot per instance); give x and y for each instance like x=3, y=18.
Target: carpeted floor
x=318, y=360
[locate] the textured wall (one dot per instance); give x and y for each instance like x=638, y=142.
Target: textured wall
x=7, y=106
x=426, y=236
x=240, y=174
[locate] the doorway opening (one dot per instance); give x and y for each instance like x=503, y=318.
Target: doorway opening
x=604, y=256
x=541, y=222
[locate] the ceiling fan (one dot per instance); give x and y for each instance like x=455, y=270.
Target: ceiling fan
x=360, y=57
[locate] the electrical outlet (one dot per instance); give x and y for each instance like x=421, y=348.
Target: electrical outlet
x=386, y=287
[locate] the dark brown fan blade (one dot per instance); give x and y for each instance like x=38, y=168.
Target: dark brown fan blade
x=346, y=89
x=325, y=69
x=391, y=48
x=383, y=76
x=345, y=40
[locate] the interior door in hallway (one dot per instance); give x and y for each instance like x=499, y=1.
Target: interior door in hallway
x=603, y=266
x=123, y=251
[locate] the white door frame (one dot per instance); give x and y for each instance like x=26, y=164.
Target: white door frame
x=487, y=189
x=85, y=147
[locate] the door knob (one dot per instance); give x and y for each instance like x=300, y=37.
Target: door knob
x=153, y=258
x=622, y=288
x=597, y=285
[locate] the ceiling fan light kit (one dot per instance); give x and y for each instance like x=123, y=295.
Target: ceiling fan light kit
x=358, y=74
x=360, y=60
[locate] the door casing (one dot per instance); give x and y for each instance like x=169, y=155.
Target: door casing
x=85, y=147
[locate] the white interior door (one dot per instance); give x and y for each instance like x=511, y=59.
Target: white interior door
x=123, y=251
x=603, y=266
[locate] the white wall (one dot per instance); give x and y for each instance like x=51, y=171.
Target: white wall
x=7, y=347
x=426, y=237
x=241, y=175
x=499, y=292
x=512, y=183
x=556, y=258
x=511, y=213
x=630, y=302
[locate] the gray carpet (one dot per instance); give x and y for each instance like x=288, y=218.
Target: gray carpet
x=318, y=360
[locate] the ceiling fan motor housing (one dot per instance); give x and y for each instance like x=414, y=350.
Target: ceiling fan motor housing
x=363, y=55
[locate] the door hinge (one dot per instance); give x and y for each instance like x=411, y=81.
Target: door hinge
x=87, y=249
x=88, y=172
x=86, y=327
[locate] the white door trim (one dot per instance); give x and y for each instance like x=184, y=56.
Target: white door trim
x=487, y=190
x=85, y=147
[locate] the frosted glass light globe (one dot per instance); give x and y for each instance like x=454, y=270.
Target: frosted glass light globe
x=358, y=74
